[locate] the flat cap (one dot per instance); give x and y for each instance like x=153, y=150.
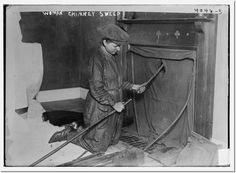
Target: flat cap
x=113, y=32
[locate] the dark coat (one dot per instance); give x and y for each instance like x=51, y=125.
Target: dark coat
x=106, y=85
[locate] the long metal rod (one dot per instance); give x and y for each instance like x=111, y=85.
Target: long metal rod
x=90, y=127
x=134, y=101
x=82, y=154
x=153, y=76
x=80, y=159
x=76, y=136
x=173, y=123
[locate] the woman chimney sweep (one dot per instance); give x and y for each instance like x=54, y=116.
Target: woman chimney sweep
x=105, y=92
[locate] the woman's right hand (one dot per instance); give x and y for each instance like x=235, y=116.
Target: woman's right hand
x=119, y=106
x=139, y=88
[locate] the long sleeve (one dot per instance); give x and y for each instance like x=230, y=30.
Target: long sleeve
x=96, y=82
x=126, y=85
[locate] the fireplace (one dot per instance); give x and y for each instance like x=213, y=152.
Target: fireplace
x=179, y=100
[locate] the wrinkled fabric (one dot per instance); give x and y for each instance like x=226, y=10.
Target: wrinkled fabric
x=163, y=100
x=106, y=85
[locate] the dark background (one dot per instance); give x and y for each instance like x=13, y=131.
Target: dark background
x=67, y=42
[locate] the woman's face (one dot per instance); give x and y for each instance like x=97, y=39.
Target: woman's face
x=111, y=47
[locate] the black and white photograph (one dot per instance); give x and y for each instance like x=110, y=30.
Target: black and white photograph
x=118, y=86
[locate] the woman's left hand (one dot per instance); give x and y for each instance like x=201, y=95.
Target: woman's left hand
x=141, y=89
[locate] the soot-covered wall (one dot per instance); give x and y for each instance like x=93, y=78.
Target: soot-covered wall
x=67, y=42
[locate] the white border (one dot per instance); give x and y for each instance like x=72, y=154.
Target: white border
x=126, y=6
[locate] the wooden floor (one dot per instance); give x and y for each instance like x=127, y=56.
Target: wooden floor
x=28, y=142
x=37, y=134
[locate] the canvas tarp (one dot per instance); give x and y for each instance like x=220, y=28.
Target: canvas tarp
x=169, y=93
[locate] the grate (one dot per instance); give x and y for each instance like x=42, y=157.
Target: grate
x=134, y=141
x=140, y=142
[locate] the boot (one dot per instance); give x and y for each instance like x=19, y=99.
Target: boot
x=61, y=135
x=74, y=133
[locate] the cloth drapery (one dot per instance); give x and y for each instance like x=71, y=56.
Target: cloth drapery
x=162, y=102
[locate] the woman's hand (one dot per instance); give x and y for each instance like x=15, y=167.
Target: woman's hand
x=139, y=88
x=119, y=106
